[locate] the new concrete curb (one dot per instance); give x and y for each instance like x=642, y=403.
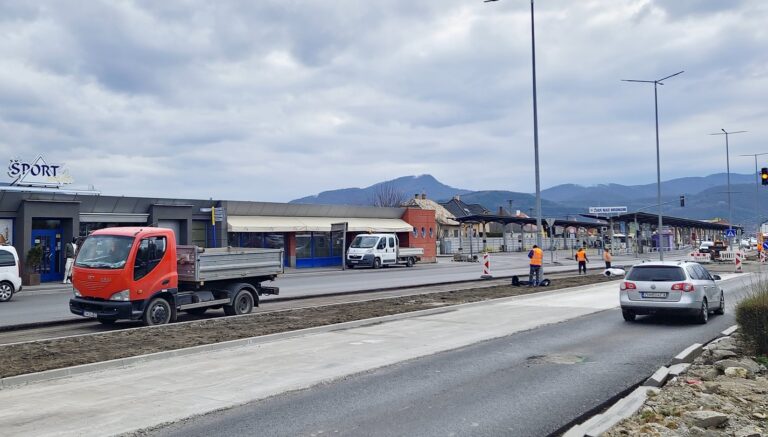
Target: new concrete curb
x=630, y=404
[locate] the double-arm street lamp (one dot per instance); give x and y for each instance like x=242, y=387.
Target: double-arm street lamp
x=728, y=176
x=656, y=83
x=535, y=130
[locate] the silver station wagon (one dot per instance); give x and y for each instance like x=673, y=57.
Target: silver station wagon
x=671, y=287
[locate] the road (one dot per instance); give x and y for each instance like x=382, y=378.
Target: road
x=53, y=304
x=532, y=383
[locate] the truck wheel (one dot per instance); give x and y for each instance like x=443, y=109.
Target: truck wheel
x=158, y=312
x=241, y=304
x=197, y=311
x=409, y=262
x=6, y=291
x=376, y=263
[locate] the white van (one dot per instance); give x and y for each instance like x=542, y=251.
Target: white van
x=10, y=279
x=377, y=250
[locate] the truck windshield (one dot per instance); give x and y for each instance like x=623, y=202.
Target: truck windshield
x=104, y=252
x=364, y=242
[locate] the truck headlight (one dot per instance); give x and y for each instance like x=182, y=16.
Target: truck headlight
x=77, y=292
x=121, y=296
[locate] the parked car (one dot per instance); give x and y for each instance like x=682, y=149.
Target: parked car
x=10, y=277
x=706, y=246
x=673, y=287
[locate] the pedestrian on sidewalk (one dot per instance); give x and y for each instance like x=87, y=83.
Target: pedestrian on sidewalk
x=607, y=257
x=537, y=257
x=69, y=254
x=581, y=257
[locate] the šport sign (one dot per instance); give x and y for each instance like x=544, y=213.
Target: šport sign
x=37, y=173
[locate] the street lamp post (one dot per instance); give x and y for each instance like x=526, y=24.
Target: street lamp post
x=656, y=83
x=728, y=179
x=535, y=129
x=757, y=188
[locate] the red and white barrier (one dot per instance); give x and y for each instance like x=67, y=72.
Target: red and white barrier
x=700, y=257
x=486, y=267
x=737, y=260
x=762, y=257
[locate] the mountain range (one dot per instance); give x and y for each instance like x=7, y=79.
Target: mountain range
x=706, y=197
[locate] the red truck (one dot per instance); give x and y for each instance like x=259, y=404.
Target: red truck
x=139, y=273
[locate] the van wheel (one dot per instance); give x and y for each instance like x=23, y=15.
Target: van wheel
x=376, y=263
x=158, y=312
x=703, y=316
x=6, y=291
x=241, y=304
x=409, y=262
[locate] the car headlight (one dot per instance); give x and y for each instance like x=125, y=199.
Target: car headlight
x=77, y=292
x=121, y=296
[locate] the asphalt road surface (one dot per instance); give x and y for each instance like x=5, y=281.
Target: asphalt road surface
x=528, y=384
x=53, y=304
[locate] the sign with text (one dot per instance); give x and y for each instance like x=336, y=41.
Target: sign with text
x=38, y=173
x=607, y=209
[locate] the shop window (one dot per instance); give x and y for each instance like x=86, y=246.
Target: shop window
x=274, y=241
x=338, y=244
x=200, y=233
x=322, y=243
x=303, y=246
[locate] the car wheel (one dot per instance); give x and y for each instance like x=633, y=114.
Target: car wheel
x=241, y=304
x=721, y=309
x=6, y=291
x=409, y=263
x=376, y=263
x=629, y=316
x=158, y=312
x=703, y=316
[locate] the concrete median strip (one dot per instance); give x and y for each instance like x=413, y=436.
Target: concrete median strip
x=658, y=378
x=729, y=331
x=688, y=354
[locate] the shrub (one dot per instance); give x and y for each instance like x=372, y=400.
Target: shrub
x=34, y=257
x=752, y=317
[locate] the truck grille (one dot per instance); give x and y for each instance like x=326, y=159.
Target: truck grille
x=355, y=257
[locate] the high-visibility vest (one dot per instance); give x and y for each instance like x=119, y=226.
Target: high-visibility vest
x=538, y=257
x=581, y=256
x=607, y=256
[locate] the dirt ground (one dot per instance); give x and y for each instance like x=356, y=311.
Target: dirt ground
x=37, y=356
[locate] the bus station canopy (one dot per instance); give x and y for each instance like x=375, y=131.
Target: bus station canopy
x=507, y=219
x=653, y=219
x=309, y=224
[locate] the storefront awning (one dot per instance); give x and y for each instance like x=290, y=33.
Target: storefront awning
x=317, y=224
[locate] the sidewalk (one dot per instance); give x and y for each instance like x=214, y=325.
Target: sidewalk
x=125, y=399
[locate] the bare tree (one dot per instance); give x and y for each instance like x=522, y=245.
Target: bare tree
x=387, y=195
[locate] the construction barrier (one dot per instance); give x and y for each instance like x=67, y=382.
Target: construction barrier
x=700, y=257
x=762, y=257
x=737, y=261
x=727, y=256
x=486, y=267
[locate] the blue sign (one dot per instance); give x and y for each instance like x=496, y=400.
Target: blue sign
x=765, y=245
x=730, y=232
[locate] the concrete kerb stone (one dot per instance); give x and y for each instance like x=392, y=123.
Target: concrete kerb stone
x=622, y=409
x=658, y=378
x=678, y=369
x=46, y=375
x=730, y=331
x=688, y=354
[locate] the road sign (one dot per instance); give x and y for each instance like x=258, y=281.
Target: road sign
x=730, y=232
x=607, y=209
x=550, y=222
x=765, y=245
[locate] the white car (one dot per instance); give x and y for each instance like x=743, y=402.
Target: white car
x=10, y=279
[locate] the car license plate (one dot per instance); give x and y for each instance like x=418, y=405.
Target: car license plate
x=656, y=295
x=89, y=314
x=352, y=261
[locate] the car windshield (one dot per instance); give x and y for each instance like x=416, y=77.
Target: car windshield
x=104, y=252
x=364, y=242
x=656, y=274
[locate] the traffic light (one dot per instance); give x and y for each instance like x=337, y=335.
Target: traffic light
x=764, y=175
x=682, y=200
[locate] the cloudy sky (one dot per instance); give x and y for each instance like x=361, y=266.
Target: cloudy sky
x=277, y=99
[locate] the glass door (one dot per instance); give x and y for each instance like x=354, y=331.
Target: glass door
x=50, y=241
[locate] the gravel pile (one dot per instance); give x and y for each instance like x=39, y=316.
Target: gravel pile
x=723, y=393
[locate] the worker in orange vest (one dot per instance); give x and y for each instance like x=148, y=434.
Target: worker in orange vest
x=581, y=257
x=537, y=257
x=607, y=257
